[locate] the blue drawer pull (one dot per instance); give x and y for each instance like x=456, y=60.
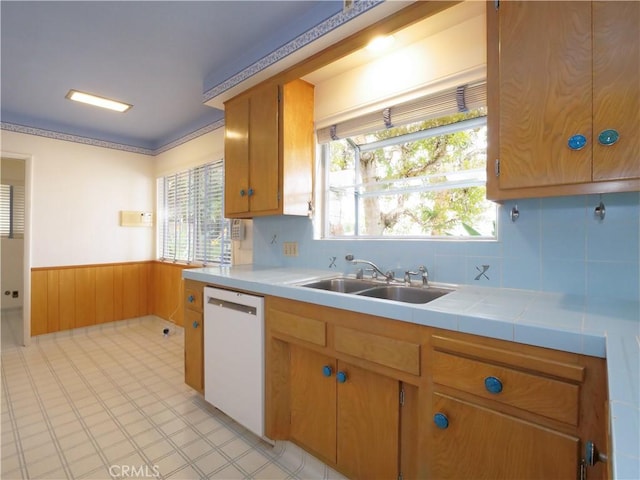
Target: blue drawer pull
x=195, y=324
x=608, y=137
x=327, y=371
x=493, y=384
x=250, y=191
x=441, y=421
x=341, y=377
x=577, y=142
x=242, y=193
x=191, y=298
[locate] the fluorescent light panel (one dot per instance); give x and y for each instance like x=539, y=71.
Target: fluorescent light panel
x=96, y=101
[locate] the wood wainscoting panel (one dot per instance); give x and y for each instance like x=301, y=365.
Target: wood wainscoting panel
x=117, y=293
x=167, y=290
x=104, y=294
x=66, y=297
x=144, y=288
x=166, y=296
x=53, y=301
x=85, y=296
x=130, y=290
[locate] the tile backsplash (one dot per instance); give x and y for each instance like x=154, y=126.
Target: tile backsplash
x=557, y=244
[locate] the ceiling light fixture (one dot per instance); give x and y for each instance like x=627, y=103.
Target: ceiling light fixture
x=96, y=101
x=380, y=44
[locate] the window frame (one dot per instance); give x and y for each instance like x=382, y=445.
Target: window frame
x=195, y=192
x=13, y=214
x=325, y=187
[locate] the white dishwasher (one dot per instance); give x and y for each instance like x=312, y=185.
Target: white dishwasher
x=234, y=356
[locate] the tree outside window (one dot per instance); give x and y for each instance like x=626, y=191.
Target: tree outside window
x=425, y=179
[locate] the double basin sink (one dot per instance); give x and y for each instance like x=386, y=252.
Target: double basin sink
x=367, y=288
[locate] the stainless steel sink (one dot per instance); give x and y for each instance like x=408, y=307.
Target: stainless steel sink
x=405, y=294
x=367, y=288
x=343, y=285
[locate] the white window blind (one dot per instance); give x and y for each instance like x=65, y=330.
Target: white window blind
x=191, y=223
x=447, y=102
x=11, y=211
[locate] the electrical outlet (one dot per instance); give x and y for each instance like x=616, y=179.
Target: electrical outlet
x=290, y=249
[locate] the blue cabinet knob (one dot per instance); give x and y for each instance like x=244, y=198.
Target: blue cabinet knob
x=589, y=453
x=341, y=377
x=493, y=384
x=191, y=299
x=195, y=324
x=242, y=193
x=608, y=137
x=250, y=191
x=327, y=371
x=441, y=421
x=592, y=455
x=577, y=142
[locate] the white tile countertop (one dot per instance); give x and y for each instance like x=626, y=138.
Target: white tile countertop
x=596, y=327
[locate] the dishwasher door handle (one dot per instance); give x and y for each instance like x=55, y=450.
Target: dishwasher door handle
x=238, y=307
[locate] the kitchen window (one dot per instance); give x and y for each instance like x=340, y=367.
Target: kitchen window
x=191, y=223
x=11, y=211
x=416, y=170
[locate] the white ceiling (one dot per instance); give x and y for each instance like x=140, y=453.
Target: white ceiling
x=160, y=56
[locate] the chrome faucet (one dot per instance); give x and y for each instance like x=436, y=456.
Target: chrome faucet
x=422, y=271
x=389, y=275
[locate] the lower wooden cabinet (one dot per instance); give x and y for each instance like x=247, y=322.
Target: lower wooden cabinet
x=473, y=407
x=194, y=350
x=501, y=411
x=345, y=414
x=194, y=335
x=471, y=441
x=333, y=385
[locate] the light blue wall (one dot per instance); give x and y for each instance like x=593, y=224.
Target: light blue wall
x=556, y=245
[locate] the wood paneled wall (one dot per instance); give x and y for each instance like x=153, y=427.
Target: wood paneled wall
x=168, y=291
x=69, y=297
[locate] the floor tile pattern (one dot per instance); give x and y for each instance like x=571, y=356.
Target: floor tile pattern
x=109, y=402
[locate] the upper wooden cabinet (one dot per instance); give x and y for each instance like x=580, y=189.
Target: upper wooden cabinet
x=557, y=71
x=269, y=150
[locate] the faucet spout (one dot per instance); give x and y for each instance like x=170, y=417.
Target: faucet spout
x=387, y=275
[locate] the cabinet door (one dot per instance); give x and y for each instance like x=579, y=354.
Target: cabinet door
x=263, y=150
x=313, y=401
x=194, y=350
x=483, y=444
x=368, y=424
x=545, y=93
x=616, y=89
x=236, y=156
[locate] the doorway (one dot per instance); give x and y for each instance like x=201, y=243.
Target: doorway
x=14, y=249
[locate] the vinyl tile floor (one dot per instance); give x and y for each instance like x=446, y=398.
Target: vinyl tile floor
x=109, y=402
